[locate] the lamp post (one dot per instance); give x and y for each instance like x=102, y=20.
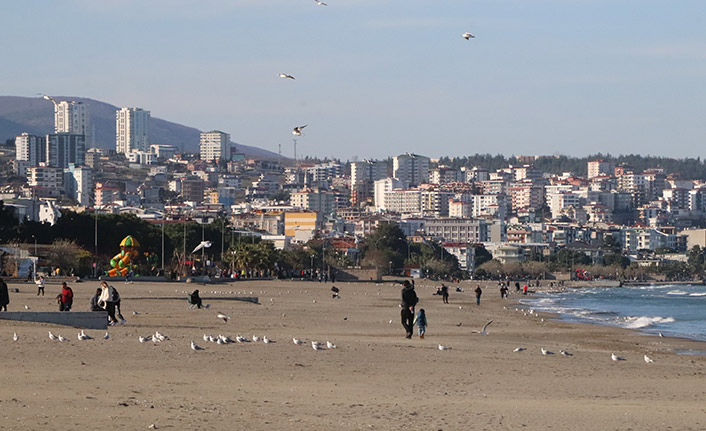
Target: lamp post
x=35, y=244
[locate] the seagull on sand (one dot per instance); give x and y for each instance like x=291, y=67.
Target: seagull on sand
x=330, y=345
x=518, y=349
x=106, y=336
x=52, y=336
x=27, y=307
x=565, y=353
x=615, y=357
x=467, y=36
x=484, y=331
x=297, y=341
x=286, y=76
x=297, y=131
x=255, y=338
x=15, y=338
x=444, y=347
x=195, y=347
x=316, y=345
x=266, y=340
x=240, y=339
x=545, y=352
x=648, y=359
x=225, y=317
x=83, y=336
x=144, y=339
x=62, y=338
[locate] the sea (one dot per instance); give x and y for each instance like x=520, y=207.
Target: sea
x=677, y=310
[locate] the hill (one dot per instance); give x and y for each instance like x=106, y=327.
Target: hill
x=35, y=115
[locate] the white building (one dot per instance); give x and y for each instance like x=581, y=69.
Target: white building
x=314, y=200
x=367, y=171
x=78, y=183
x=131, y=130
x=46, y=177
x=31, y=148
x=215, y=145
x=404, y=201
x=381, y=187
x=72, y=117
x=411, y=168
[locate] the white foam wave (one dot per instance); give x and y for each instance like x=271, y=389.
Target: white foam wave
x=677, y=292
x=645, y=321
x=698, y=294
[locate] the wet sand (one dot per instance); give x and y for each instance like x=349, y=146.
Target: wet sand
x=374, y=379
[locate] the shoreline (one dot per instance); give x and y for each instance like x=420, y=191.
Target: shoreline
x=374, y=379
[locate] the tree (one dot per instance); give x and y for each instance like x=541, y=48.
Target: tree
x=67, y=256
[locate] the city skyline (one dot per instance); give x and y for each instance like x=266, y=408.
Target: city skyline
x=383, y=78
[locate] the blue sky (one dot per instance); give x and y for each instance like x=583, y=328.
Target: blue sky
x=379, y=78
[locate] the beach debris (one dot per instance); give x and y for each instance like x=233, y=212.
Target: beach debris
x=15, y=337
x=195, y=347
x=444, y=347
x=225, y=317
x=615, y=357
x=545, y=352
x=484, y=331
x=330, y=345
x=648, y=359
x=390, y=321
x=52, y=336
x=519, y=349
x=459, y=324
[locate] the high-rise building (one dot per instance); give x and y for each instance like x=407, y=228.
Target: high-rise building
x=78, y=183
x=71, y=117
x=65, y=148
x=599, y=168
x=132, y=130
x=411, y=168
x=368, y=171
x=215, y=145
x=30, y=148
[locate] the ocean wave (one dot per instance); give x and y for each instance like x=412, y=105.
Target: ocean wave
x=698, y=294
x=677, y=292
x=645, y=321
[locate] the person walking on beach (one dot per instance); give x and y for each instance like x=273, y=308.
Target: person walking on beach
x=479, y=292
x=107, y=303
x=421, y=321
x=445, y=293
x=65, y=298
x=195, y=299
x=409, y=300
x=4, y=295
x=524, y=290
x=40, y=285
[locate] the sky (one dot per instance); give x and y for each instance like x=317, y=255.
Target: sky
x=379, y=78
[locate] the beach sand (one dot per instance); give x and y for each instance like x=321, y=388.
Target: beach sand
x=375, y=379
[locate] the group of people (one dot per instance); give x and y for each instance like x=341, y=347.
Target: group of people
x=107, y=298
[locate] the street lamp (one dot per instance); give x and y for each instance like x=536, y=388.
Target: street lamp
x=35, y=244
x=389, y=271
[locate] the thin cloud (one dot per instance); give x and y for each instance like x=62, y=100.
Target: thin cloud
x=404, y=23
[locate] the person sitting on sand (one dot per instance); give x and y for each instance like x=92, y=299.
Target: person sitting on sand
x=94, y=301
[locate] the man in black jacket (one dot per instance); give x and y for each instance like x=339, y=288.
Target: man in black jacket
x=409, y=300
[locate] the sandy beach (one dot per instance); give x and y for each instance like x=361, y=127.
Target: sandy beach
x=375, y=378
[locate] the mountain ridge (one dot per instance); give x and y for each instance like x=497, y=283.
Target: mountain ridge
x=35, y=116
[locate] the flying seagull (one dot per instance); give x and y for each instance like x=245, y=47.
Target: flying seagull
x=287, y=76
x=467, y=36
x=204, y=244
x=320, y=3
x=484, y=331
x=297, y=131
x=225, y=317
